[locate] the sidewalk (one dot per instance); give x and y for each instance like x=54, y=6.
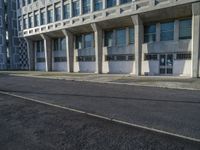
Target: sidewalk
x=154, y=81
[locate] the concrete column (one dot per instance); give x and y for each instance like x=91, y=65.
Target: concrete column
x=69, y=50
x=158, y=32
x=176, y=30
x=31, y=54
x=98, y=37
x=138, y=26
x=195, y=39
x=48, y=52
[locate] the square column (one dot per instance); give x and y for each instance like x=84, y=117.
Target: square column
x=139, y=31
x=195, y=39
x=69, y=37
x=47, y=52
x=98, y=37
x=31, y=54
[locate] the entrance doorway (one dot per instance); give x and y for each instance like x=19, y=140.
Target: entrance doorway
x=166, y=64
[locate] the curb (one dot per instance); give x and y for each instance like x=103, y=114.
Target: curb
x=109, y=82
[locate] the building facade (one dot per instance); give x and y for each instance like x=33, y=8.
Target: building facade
x=139, y=37
x=3, y=52
x=13, y=50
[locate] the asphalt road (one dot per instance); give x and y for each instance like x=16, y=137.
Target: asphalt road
x=175, y=111
x=26, y=125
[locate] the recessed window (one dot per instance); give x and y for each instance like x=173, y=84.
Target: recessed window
x=150, y=33
x=59, y=44
x=88, y=40
x=60, y=59
x=183, y=56
x=78, y=41
x=57, y=14
x=185, y=29
x=66, y=11
x=125, y=1
x=37, y=19
x=76, y=8
x=131, y=36
x=42, y=18
x=150, y=57
x=39, y=46
x=111, y=3
x=98, y=5
x=121, y=37
x=86, y=6
x=85, y=58
x=167, y=31
x=50, y=16
x=120, y=57
x=108, y=40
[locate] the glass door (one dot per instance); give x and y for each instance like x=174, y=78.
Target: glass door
x=166, y=64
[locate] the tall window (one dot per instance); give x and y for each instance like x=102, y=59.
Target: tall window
x=40, y=46
x=23, y=2
x=78, y=42
x=25, y=23
x=111, y=3
x=98, y=5
x=131, y=36
x=108, y=38
x=88, y=40
x=30, y=21
x=57, y=14
x=76, y=8
x=66, y=11
x=167, y=31
x=125, y=1
x=62, y=44
x=86, y=6
x=185, y=29
x=29, y=1
x=56, y=45
x=42, y=19
x=37, y=19
x=59, y=44
x=20, y=25
x=150, y=33
x=121, y=37
x=50, y=16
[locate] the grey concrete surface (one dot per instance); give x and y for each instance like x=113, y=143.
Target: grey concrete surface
x=26, y=125
x=149, y=81
x=174, y=111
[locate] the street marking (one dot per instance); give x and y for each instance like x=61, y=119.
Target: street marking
x=104, y=117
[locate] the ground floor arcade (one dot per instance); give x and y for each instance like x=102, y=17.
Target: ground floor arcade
x=143, y=44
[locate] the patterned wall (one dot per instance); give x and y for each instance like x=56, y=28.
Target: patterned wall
x=17, y=46
x=3, y=60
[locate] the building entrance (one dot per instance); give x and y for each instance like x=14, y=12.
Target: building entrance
x=166, y=64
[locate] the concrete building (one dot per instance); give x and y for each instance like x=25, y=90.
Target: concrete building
x=139, y=37
x=13, y=50
x=3, y=53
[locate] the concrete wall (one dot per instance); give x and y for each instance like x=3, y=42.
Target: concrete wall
x=40, y=66
x=59, y=66
x=89, y=67
x=180, y=67
x=3, y=53
x=127, y=67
